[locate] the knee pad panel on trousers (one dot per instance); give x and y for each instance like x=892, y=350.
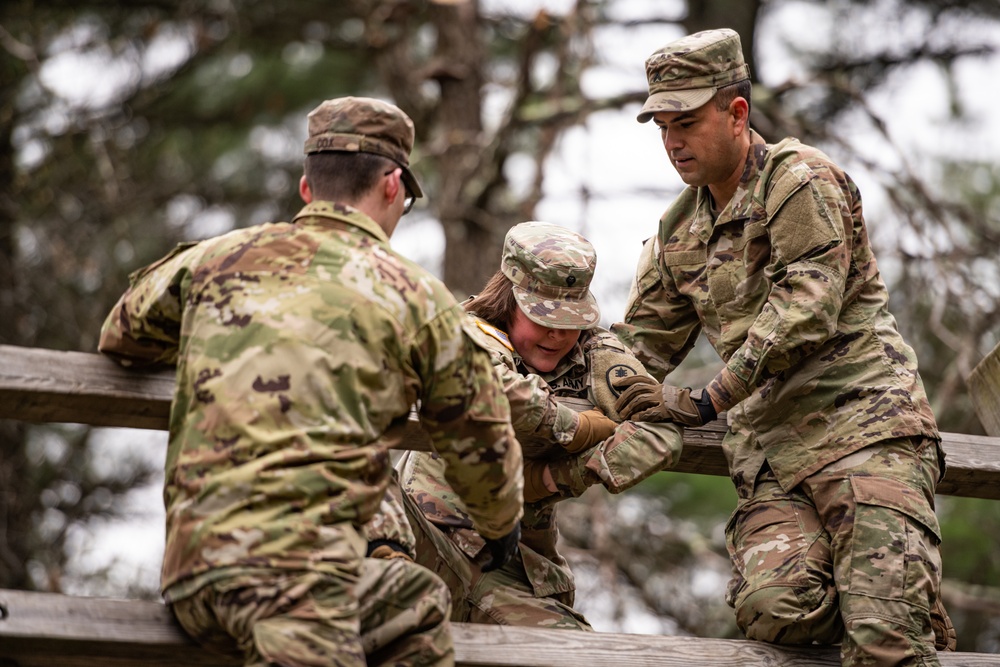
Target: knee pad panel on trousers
x=779, y=615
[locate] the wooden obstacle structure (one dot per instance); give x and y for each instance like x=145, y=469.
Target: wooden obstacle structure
x=52, y=630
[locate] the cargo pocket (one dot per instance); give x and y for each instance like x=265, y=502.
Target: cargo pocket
x=894, y=542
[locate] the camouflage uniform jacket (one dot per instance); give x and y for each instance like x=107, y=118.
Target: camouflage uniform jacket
x=300, y=348
x=540, y=421
x=784, y=284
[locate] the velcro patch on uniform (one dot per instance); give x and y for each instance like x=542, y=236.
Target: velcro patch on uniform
x=617, y=372
x=493, y=332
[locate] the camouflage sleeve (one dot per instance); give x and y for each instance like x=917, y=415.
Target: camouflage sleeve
x=389, y=524
x=807, y=231
x=467, y=416
x=635, y=451
x=143, y=328
x=661, y=326
x=534, y=411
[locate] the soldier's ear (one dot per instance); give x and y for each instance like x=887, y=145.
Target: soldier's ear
x=393, y=184
x=740, y=112
x=304, y=190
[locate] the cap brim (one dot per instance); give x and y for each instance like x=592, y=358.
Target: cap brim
x=565, y=314
x=411, y=182
x=674, y=101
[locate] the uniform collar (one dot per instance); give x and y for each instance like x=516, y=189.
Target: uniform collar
x=741, y=203
x=742, y=200
x=319, y=213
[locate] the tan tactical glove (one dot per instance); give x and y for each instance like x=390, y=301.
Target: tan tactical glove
x=387, y=550
x=593, y=427
x=645, y=399
x=535, y=488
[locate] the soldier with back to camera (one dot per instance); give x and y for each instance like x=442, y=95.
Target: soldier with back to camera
x=300, y=348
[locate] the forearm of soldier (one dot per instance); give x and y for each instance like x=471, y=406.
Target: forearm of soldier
x=560, y=423
x=123, y=338
x=484, y=467
x=726, y=390
x=466, y=413
x=534, y=411
x=810, y=235
x=631, y=455
x=566, y=477
x=660, y=325
x=803, y=310
x=636, y=451
x=660, y=347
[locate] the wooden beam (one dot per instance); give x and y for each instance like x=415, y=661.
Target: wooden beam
x=39, y=385
x=984, y=390
x=45, y=629
x=38, y=629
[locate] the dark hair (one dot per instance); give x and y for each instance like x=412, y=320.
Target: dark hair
x=495, y=303
x=344, y=176
x=725, y=95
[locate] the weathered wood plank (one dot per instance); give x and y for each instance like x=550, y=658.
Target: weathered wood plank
x=507, y=646
x=984, y=390
x=48, y=386
x=38, y=629
x=44, y=629
x=39, y=385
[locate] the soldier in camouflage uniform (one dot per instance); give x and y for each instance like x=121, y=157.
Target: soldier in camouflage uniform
x=832, y=445
x=540, y=320
x=300, y=348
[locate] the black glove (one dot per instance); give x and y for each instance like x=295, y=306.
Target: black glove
x=645, y=399
x=502, y=549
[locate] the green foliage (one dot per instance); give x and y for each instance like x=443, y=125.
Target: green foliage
x=706, y=499
x=968, y=549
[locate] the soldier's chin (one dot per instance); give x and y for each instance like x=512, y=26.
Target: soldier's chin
x=544, y=362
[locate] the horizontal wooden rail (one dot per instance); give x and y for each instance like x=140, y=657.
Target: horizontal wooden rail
x=46, y=629
x=38, y=385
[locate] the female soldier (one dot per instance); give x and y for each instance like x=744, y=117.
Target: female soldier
x=539, y=320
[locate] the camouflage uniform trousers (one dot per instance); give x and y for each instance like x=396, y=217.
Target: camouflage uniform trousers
x=850, y=556
x=396, y=614
x=501, y=597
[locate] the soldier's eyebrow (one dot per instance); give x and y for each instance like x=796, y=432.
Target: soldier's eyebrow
x=688, y=115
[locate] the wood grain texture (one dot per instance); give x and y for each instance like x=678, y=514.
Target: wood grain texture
x=41, y=386
x=984, y=390
x=46, y=629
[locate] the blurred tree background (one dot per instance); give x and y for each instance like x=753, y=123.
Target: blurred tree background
x=127, y=127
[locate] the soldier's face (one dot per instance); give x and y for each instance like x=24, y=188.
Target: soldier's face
x=540, y=347
x=701, y=144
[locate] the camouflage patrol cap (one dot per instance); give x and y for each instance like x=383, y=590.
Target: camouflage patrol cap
x=551, y=269
x=364, y=125
x=686, y=73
